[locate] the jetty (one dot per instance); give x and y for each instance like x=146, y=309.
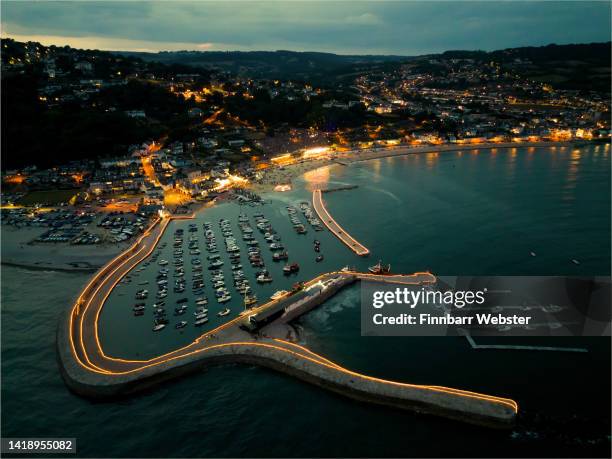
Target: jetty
x=90, y=372
x=339, y=188
x=518, y=347
x=334, y=227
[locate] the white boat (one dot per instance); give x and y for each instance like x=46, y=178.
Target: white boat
x=379, y=268
x=162, y=262
x=224, y=298
x=201, y=321
x=224, y=313
x=250, y=300
x=181, y=324
x=279, y=294
x=159, y=327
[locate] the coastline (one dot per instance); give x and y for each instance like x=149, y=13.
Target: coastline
x=18, y=251
x=39, y=267
x=291, y=172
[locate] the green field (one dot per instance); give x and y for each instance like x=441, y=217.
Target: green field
x=47, y=197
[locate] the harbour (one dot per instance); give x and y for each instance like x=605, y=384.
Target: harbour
x=88, y=371
x=330, y=329
x=306, y=230
x=212, y=328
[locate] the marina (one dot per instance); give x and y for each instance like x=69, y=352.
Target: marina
x=260, y=255
x=233, y=335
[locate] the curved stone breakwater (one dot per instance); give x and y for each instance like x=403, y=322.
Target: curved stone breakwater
x=89, y=372
x=296, y=361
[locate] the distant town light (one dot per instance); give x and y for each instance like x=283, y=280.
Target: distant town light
x=315, y=152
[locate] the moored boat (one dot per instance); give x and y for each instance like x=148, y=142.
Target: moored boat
x=279, y=294
x=291, y=268
x=277, y=256
x=379, y=268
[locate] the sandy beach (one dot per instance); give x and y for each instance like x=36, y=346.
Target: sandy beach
x=277, y=176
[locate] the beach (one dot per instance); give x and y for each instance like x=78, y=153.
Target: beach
x=285, y=175
x=19, y=250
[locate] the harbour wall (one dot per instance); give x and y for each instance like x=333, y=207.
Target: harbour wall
x=339, y=188
x=310, y=302
x=334, y=227
x=420, y=399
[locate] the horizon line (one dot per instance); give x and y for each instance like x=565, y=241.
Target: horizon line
x=206, y=47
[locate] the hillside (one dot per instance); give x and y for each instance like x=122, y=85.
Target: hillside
x=269, y=64
x=574, y=66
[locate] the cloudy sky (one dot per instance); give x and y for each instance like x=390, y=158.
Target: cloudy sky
x=347, y=27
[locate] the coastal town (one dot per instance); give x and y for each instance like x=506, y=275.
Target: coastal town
x=228, y=222
x=223, y=138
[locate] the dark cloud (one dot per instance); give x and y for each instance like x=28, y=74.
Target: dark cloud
x=344, y=27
